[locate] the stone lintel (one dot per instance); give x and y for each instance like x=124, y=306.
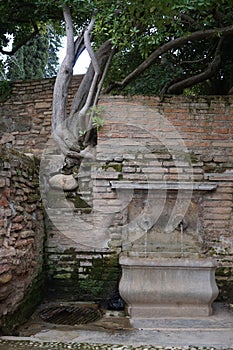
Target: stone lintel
x=132, y=185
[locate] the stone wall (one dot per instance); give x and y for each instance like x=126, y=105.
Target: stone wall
x=21, y=237
x=79, y=266
x=72, y=270
x=26, y=114
x=165, y=146
x=143, y=139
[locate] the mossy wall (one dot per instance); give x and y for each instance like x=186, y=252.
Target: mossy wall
x=82, y=276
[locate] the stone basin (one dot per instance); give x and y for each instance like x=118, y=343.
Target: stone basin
x=155, y=287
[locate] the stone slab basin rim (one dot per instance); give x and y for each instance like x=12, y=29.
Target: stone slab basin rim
x=139, y=259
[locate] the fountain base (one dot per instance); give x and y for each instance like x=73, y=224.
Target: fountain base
x=154, y=287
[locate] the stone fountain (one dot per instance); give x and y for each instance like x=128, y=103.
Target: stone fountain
x=165, y=272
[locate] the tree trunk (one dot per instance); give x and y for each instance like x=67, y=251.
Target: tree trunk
x=68, y=132
x=78, y=122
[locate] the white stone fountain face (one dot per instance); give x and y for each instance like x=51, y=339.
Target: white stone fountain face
x=146, y=231
x=165, y=272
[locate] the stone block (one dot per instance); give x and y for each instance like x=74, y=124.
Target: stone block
x=5, y=291
x=63, y=182
x=43, y=105
x=2, y=182
x=5, y=278
x=155, y=287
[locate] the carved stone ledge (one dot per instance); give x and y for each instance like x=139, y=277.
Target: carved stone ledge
x=191, y=186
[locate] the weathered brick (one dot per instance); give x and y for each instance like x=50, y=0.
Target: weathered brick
x=3, y=201
x=43, y=105
x=221, y=196
x=219, y=210
x=16, y=227
x=210, y=203
x=2, y=182
x=18, y=218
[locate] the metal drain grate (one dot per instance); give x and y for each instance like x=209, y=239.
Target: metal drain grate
x=70, y=314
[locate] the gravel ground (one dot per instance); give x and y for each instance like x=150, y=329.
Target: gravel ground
x=31, y=345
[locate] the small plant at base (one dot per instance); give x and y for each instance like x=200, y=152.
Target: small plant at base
x=97, y=120
x=18, y=171
x=82, y=132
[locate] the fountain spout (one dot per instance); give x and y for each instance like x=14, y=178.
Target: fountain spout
x=181, y=224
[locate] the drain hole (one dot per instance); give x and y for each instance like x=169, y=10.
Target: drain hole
x=70, y=314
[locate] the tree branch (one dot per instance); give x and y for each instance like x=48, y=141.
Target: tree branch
x=198, y=78
x=89, y=127
x=64, y=75
x=172, y=44
x=201, y=60
x=66, y=131
x=213, y=49
x=76, y=123
x=70, y=36
x=79, y=47
x=190, y=21
x=95, y=65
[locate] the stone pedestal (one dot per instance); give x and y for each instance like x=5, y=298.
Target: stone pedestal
x=154, y=287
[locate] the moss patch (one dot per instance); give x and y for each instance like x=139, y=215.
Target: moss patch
x=80, y=203
x=33, y=297
x=113, y=167
x=102, y=278
x=225, y=283
x=80, y=278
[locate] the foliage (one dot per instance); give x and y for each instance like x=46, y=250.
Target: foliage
x=136, y=29
x=53, y=47
x=148, y=83
x=2, y=70
x=161, y=25
x=97, y=120
x=5, y=90
x=22, y=18
x=129, y=23
x=30, y=60
x=36, y=59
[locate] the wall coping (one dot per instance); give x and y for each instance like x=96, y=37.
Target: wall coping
x=156, y=185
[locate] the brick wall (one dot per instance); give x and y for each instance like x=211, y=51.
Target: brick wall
x=22, y=237
x=180, y=139
x=147, y=140
x=26, y=115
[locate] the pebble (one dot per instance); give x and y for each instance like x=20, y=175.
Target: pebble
x=25, y=345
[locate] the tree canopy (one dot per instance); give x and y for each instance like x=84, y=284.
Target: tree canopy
x=187, y=42
x=37, y=59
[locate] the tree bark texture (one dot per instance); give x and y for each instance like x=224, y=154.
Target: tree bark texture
x=66, y=130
